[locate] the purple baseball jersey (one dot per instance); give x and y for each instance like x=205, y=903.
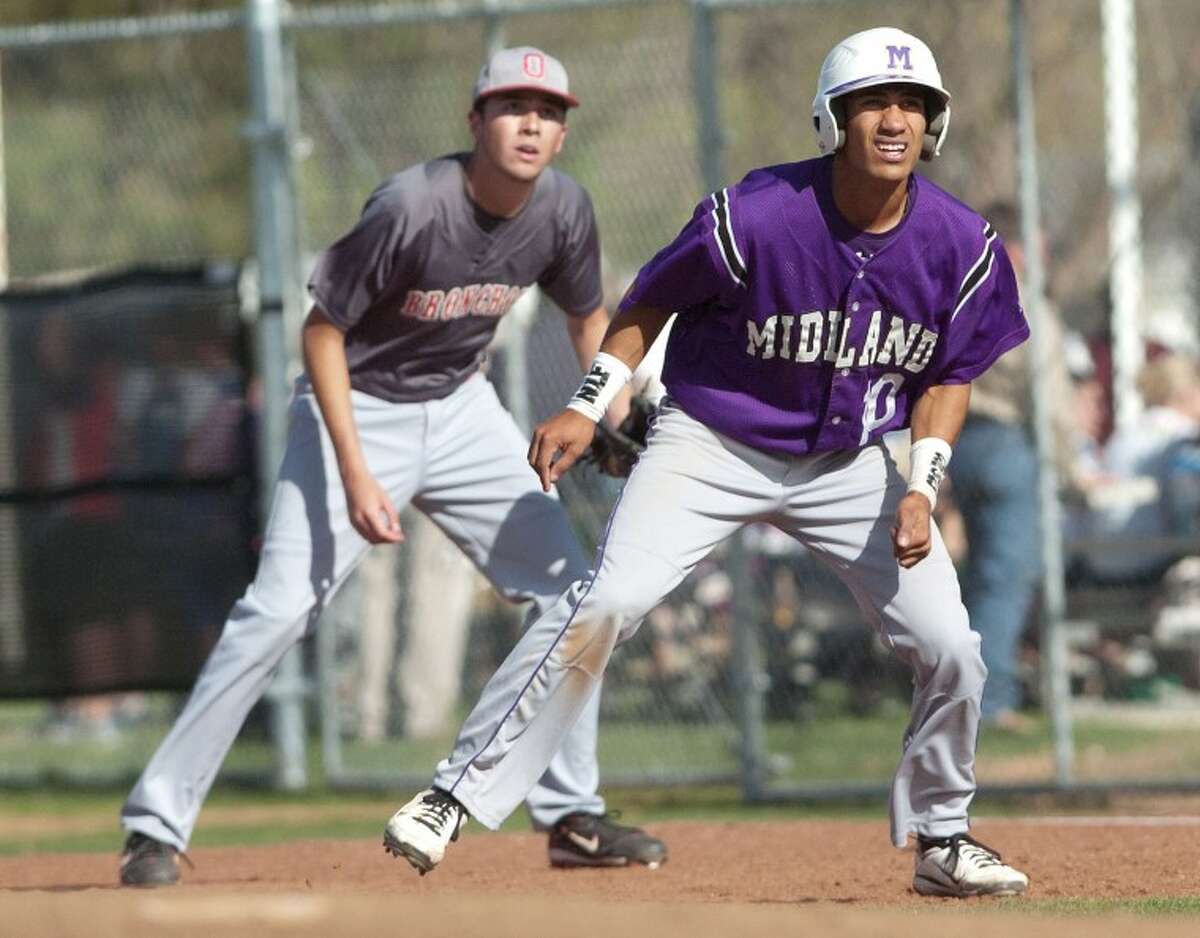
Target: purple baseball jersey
x=799, y=334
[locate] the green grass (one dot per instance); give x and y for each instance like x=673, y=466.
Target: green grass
x=824, y=747
x=109, y=841
x=334, y=814
x=236, y=816
x=1079, y=906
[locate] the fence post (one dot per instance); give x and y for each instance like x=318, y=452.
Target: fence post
x=1054, y=661
x=12, y=602
x=494, y=29
x=1125, y=210
x=514, y=337
x=749, y=679
x=275, y=250
x=709, y=139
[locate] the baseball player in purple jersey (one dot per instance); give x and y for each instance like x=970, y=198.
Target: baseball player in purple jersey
x=820, y=304
x=394, y=409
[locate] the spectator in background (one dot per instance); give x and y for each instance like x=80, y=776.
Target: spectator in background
x=1167, y=446
x=1091, y=414
x=994, y=476
x=1139, y=485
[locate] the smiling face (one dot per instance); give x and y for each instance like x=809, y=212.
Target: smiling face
x=885, y=127
x=518, y=133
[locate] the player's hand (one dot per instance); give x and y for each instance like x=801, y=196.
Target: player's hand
x=557, y=443
x=911, y=539
x=371, y=511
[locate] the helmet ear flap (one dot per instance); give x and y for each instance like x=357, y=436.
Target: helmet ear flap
x=838, y=109
x=935, y=134
x=829, y=120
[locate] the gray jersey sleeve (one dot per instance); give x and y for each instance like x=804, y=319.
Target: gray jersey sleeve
x=573, y=279
x=364, y=268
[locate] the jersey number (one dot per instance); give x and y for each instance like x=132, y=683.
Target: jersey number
x=887, y=386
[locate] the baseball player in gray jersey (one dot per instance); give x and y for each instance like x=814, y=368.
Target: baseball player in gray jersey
x=819, y=305
x=393, y=409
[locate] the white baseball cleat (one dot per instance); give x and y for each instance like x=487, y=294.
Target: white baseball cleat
x=423, y=828
x=962, y=866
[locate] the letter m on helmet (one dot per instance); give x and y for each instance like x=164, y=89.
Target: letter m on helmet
x=899, y=56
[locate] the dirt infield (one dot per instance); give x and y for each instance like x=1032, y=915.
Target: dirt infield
x=835, y=877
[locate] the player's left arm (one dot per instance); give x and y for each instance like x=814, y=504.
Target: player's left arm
x=937, y=420
x=985, y=322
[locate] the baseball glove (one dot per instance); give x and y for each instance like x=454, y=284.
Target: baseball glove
x=614, y=452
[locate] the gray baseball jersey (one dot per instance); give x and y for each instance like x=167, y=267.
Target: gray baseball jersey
x=420, y=283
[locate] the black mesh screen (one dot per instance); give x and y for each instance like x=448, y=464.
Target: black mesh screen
x=126, y=479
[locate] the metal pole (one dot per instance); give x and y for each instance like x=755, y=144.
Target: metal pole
x=295, y=297
x=750, y=681
x=1125, y=211
x=709, y=138
x=517, y=325
x=3, y=191
x=333, y=764
x=493, y=31
x=12, y=638
x=274, y=243
x=1034, y=297
x=513, y=335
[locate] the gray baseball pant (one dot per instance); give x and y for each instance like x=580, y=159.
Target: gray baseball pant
x=690, y=490
x=461, y=461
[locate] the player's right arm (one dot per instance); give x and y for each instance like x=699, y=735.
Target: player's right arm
x=370, y=509
x=561, y=440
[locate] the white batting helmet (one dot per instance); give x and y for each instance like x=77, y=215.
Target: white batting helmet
x=881, y=56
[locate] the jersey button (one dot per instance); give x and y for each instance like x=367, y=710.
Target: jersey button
x=845, y=372
x=854, y=307
x=861, y=274
x=836, y=420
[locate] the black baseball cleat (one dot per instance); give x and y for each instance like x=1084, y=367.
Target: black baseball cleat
x=582, y=839
x=148, y=862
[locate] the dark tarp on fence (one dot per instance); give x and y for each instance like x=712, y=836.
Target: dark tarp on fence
x=126, y=479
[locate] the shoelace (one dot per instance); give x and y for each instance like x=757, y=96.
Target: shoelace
x=964, y=844
x=437, y=810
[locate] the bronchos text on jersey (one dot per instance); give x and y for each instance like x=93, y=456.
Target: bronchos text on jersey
x=478, y=299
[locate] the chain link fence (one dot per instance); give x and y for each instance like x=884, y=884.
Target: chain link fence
x=123, y=150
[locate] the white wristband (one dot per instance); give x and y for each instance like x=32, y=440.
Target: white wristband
x=928, y=459
x=601, y=384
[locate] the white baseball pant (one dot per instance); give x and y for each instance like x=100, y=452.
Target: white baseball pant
x=460, y=460
x=690, y=490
